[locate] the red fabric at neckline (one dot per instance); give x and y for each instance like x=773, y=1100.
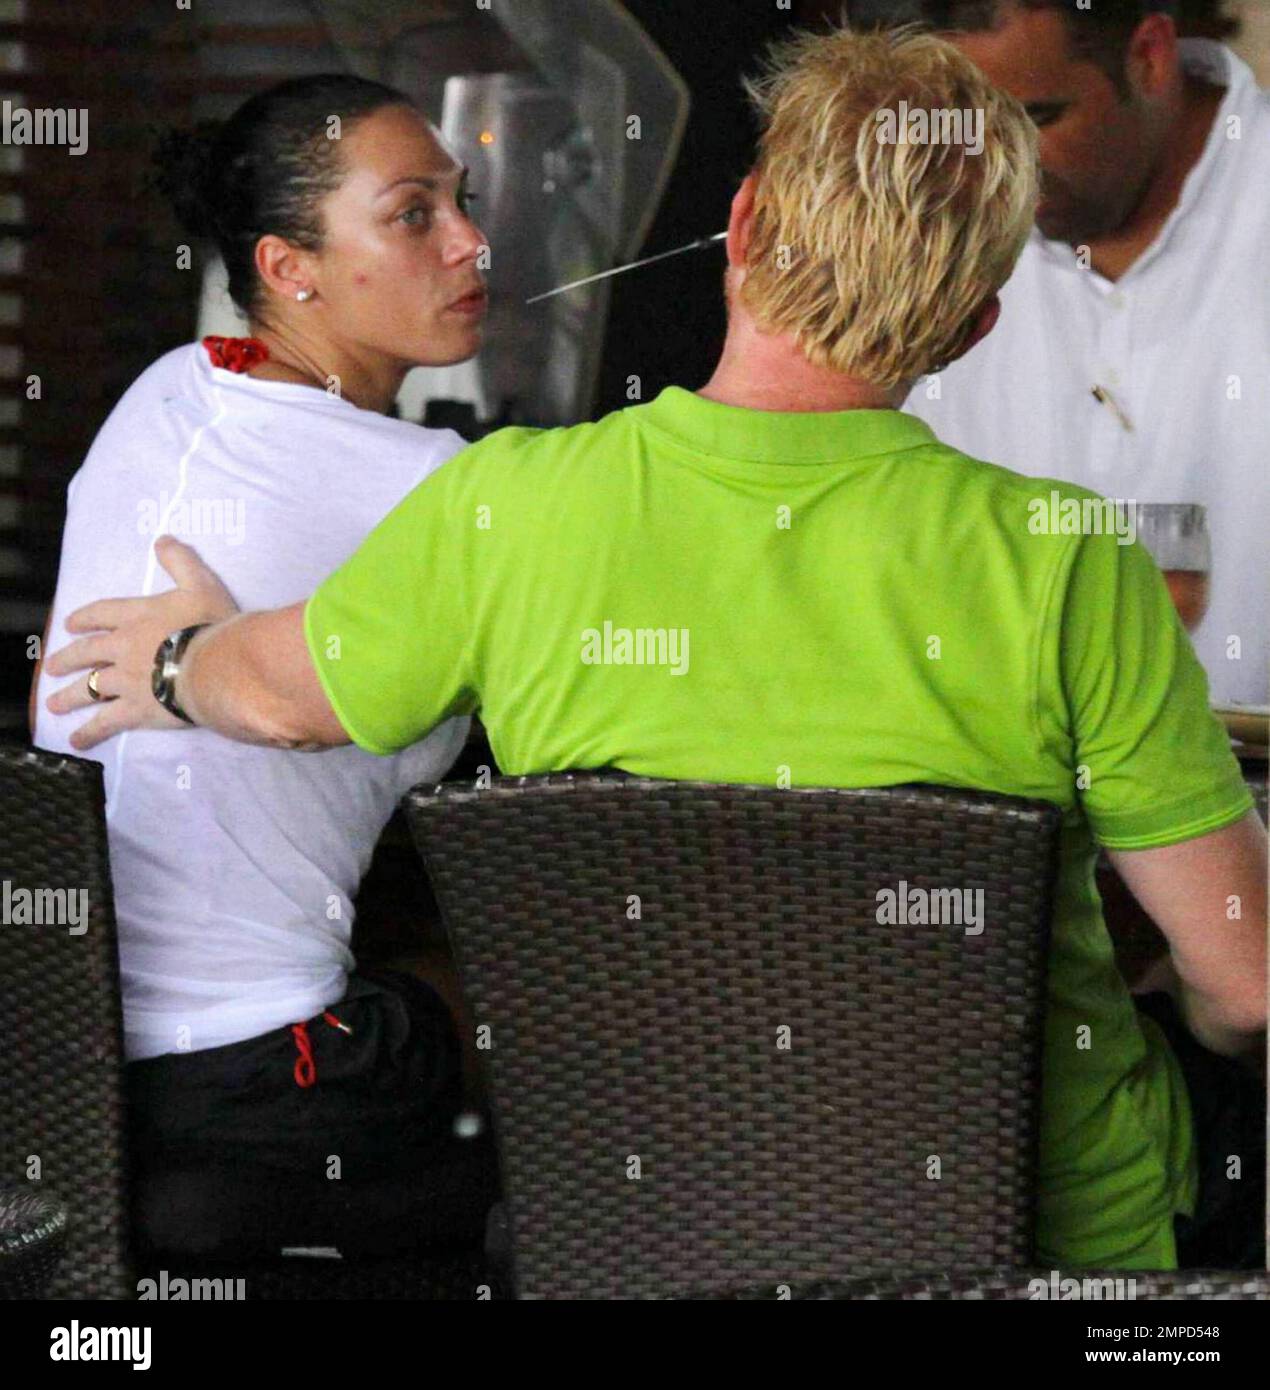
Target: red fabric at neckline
x=235, y=354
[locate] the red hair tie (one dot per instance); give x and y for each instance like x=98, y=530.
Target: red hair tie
x=235, y=354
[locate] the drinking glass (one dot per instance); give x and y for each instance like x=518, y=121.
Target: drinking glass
x=1176, y=534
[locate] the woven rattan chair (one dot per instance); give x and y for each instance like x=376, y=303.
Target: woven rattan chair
x=32, y=1238
x=61, y=1096
x=1024, y=1285
x=636, y=949
x=61, y=1067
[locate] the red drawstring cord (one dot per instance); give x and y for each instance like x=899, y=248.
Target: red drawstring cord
x=305, y=1070
x=305, y=1067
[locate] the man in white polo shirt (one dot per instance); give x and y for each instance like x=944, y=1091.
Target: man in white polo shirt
x=1146, y=279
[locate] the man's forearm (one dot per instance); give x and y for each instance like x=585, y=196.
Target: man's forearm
x=221, y=687
x=249, y=678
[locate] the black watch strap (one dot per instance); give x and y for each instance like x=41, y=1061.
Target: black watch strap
x=167, y=662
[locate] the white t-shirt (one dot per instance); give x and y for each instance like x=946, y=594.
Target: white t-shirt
x=234, y=866
x=1181, y=342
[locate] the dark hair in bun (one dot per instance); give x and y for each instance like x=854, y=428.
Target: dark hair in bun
x=265, y=170
x=183, y=159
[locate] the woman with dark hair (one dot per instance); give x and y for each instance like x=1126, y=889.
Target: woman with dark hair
x=275, y=1096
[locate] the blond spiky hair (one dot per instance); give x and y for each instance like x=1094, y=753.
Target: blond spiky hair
x=875, y=255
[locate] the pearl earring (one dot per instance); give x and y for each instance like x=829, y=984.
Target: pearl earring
x=303, y=295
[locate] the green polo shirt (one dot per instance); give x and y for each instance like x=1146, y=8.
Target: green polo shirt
x=691, y=590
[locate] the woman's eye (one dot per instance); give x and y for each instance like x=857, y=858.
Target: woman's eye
x=409, y=218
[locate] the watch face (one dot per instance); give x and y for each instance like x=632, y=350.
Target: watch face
x=162, y=676
x=158, y=673
x=167, y=665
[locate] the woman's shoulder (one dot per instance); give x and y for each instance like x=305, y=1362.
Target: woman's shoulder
x=168, y=377
x=167, y=373
x=320, y=422
x=383, y=450
x=180, y=407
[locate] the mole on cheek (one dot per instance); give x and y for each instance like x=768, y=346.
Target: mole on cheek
x=359, y=278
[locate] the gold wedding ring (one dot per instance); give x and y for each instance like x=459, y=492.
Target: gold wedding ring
x=93, y=692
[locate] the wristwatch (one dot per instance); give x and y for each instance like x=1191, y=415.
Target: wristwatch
x=167, y=662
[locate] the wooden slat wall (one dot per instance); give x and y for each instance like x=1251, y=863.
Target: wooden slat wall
x=89, y=257
x=90, y=292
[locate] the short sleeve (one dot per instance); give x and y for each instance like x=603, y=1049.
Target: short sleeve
x=1157, y=763
x=388, y=631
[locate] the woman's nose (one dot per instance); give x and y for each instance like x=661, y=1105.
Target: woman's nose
x=468, y=241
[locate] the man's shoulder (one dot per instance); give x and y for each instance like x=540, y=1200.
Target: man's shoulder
x=995, y=479
x=1021, y=504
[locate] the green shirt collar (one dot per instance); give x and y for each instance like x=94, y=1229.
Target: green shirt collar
x=778, y=436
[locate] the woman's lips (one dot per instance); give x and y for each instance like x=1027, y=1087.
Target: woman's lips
x=474, y=303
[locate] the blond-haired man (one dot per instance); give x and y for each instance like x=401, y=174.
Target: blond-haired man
x=842, y=596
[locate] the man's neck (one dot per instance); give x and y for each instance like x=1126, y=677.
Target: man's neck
x=1112, y=255
x=762, y=371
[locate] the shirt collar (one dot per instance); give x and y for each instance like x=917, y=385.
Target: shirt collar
x=1215, y=63
x=780, y=436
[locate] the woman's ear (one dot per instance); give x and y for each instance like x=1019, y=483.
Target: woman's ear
x=281, y=268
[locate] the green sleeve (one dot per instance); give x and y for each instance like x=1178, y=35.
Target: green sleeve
x=1158, y=763
x=388, y=631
